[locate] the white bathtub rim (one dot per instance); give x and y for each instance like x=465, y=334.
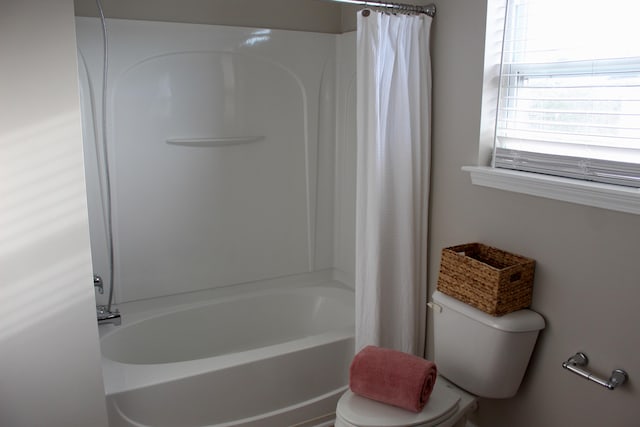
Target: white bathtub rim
x=122, y=377
x=136, y=311
x=343, y=296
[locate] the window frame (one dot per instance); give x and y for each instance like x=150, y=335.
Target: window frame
x=606, y=196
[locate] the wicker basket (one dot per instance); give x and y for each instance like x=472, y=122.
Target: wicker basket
x=492, y=280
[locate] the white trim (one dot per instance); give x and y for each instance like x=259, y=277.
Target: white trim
x=606, y=196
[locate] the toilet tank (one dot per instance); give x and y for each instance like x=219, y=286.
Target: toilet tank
x=483, y=354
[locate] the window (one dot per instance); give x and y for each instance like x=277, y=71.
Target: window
x=569, y=101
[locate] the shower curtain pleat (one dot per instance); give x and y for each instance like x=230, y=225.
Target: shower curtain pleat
x=393, y=115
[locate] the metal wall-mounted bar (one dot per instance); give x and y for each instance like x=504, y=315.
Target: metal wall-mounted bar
x=576, y=363
x=428, y=9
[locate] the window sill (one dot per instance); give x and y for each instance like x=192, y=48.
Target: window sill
x=606, y=196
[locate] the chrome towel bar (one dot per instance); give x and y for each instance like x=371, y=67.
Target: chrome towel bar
x=578, y=361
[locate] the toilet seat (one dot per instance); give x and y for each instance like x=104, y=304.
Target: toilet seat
x=362, y=412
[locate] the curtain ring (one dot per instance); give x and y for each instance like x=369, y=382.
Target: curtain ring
x=366, y=12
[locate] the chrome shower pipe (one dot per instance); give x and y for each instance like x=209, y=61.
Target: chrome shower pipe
x=105, y=176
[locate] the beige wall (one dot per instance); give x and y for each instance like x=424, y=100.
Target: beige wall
x=50, y=371
x=303, y=15
x=587, y=276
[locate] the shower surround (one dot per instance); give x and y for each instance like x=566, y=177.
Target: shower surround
x=232, y=166
x=221, y=150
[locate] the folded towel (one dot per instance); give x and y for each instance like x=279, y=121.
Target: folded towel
x=392, y=377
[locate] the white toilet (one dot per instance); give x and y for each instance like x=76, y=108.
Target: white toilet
x=477, y=355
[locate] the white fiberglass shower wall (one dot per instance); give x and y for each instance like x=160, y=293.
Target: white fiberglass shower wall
x=221, y=143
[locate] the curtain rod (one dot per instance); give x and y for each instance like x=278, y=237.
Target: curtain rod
x=428, y=9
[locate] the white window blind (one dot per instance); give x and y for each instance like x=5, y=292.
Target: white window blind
x=569, y=100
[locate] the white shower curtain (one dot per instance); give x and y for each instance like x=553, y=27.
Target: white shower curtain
x=394, y=126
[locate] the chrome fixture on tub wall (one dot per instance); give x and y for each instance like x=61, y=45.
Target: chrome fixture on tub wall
x=108, y=317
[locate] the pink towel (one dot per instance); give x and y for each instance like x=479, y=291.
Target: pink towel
x=392, y=377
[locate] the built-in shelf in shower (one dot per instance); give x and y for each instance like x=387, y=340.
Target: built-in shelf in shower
x=214, y=141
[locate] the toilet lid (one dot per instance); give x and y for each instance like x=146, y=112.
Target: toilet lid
x=364, y=412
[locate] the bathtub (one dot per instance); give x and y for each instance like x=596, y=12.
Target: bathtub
x=276, y=357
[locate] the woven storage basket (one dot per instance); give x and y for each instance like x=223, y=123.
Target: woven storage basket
x=492, y=280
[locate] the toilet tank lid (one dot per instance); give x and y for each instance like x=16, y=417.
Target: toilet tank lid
x=517, y=321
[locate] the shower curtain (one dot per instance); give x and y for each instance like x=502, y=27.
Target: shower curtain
x=393, y=115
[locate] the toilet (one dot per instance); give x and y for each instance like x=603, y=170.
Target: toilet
x=477, y=355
